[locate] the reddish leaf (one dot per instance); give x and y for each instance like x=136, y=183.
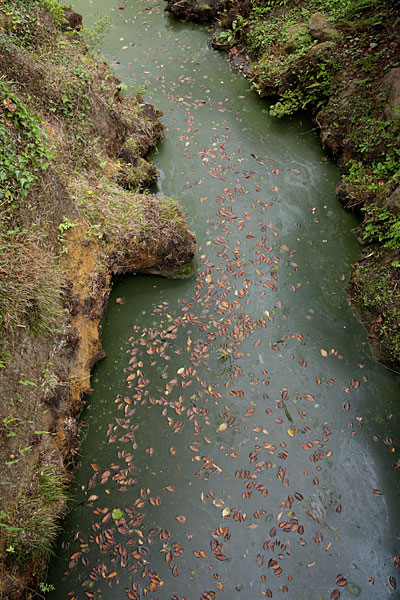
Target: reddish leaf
x=180, y=518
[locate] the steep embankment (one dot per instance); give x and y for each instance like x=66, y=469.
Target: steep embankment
x=340, y=60
x=73, y=214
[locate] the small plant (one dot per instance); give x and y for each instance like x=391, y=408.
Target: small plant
x=9, y=422
x=46, y=587
x=94, y=35
x=63, y=227
x=290, y=102
x=4, y=359
x=224, y=354
x=382, y=225
x=230, y=35
x=25, y=152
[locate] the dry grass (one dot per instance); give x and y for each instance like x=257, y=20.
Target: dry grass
x=30, y=286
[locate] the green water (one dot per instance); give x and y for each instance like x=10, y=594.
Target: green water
x=244, y=400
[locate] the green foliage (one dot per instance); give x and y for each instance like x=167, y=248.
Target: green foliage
x=345, y=10
x=53, y=7
x=261, y=35
x=32, y=528
x=24, y=148
x=46, y=587
x=5, y=523
x=289, y=103
x=230, y=35
x=267, y=5
x=22, y=24
x=63, y=227
x=381, y=225
x=376, y=291
x=94, y=35
x=312, y=87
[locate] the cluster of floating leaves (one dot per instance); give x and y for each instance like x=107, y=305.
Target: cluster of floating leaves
x=229, y=336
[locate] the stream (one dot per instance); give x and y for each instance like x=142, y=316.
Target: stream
x=240, y=441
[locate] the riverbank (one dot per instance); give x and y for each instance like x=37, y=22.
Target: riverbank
x=75, y=214
x=338, y=60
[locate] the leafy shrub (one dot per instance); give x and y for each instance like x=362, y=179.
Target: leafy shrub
x=25, y=149
x=382, y=225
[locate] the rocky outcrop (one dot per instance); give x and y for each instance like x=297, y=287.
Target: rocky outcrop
x=295, y=33
x=393, y=202
x=73, y=18
x=321, y=30
x=193, y=10
x=391, y=84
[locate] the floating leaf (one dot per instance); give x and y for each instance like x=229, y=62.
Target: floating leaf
x=180, y=518
x=117, y=514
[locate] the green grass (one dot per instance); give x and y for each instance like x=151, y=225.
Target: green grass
x=31, y=530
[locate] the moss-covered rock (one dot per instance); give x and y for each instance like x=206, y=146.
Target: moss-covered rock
x=321, y=29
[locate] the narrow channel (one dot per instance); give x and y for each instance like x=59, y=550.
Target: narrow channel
x=240, y=438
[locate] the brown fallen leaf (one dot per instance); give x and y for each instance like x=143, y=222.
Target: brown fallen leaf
x=180, y=518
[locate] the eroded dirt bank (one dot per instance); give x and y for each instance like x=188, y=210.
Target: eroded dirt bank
x=74, y=214
x=340, y=61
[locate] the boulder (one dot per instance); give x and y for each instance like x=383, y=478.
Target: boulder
x=391, y=84
x=393, y=202
x=295, y=35
x=324, y=49
x=322, y=30
x=74, y=19
x=199, y=11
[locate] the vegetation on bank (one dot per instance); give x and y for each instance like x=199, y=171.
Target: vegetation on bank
x=71, y=167
x=340, y=60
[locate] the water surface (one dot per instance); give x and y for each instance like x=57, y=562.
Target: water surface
x=240, y=441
